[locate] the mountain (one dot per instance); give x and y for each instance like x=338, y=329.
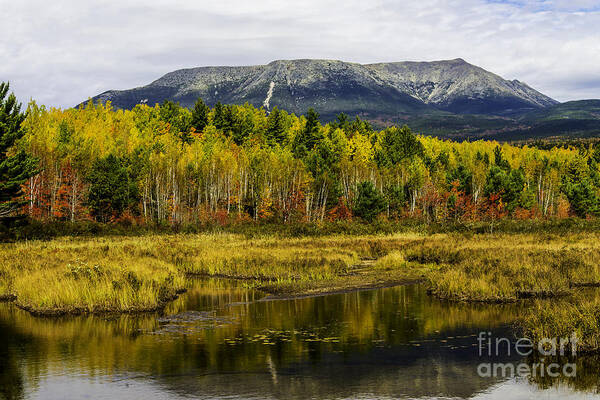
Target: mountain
x=449, y=98
x=380, y=92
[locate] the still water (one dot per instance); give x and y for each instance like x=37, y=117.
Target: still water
x=221, y=340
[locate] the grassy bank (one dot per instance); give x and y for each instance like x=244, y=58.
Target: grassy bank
x=77, y=276
x=578, y=314
x=507, y=267
x=129, y=274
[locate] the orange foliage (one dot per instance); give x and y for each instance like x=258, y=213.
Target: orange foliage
x=340, y=212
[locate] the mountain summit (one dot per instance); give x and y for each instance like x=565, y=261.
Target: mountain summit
x=376, y=91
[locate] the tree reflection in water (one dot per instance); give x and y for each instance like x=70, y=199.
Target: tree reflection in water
x=221, y=339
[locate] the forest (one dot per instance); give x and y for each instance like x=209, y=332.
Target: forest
x=170, y=165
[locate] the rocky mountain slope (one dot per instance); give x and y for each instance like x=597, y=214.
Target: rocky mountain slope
x=383, y=91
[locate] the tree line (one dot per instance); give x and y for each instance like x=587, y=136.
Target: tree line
x=169, y=164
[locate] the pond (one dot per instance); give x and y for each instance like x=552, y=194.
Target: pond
x=221, y=339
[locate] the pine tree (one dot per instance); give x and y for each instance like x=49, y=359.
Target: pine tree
x=311, y=128
x=341, y=122
x=111, y=188
x=369, y=202
x=499, y=159
x=579, y=188
x=178, y=120
x=200, y=115
x=276, y=127
x=218, y=117
x=397, y=145
x=307, y=139
x=16, y=166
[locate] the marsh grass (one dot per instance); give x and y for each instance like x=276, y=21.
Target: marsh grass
x=502, y=268
x=75, y=276
x=579, y=315
x=130, y=274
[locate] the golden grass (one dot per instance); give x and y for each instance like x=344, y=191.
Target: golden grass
x=507, y=267
x=74, y=275
x=579, y=315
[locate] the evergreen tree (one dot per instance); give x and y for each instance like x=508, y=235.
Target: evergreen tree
x=309, y=136
x=369, y=202
x=360, y=126
x=276, y=127
x=200, y=115
x=178, y=119
x=16, y=166
x=229, y=120
x=499, y=159
x=218, y=120
x=464, y=178
x=396, y=197
x=241, y=127
x=323, y=164
x=397, y=145
x=510, y=186
x=341, y=122
x=312, y=125
x=111, y=189
x=514, y=193
x=579, y=188
x=583, y=198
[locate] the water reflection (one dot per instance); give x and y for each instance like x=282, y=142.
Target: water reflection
x=222, y=339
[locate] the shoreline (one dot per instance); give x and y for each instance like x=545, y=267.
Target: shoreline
x=329, y=292
x=79, y=311
x=269, y=296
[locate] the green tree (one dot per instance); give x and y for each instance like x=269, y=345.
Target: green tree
x=341, y=122
x=499, y=159
x=200, y=115
x=311, y=134
x=463, y=176
x=396, y=197
x=397, y=145
x=369, y=202
x=242, y=125
x=323, y=164
x=360, y=126
x=16, y=166
x=583, y=198
x=579, y=188
x=276, y=127
x=511, y=187
x=218, y=116
x=177, y=118
x=496, y=181
x=228, y=124
x=513, y=194
x=111, y=189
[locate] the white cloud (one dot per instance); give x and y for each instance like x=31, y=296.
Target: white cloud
x=62, y=52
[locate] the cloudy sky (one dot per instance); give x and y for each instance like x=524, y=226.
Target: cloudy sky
x=61, y=52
